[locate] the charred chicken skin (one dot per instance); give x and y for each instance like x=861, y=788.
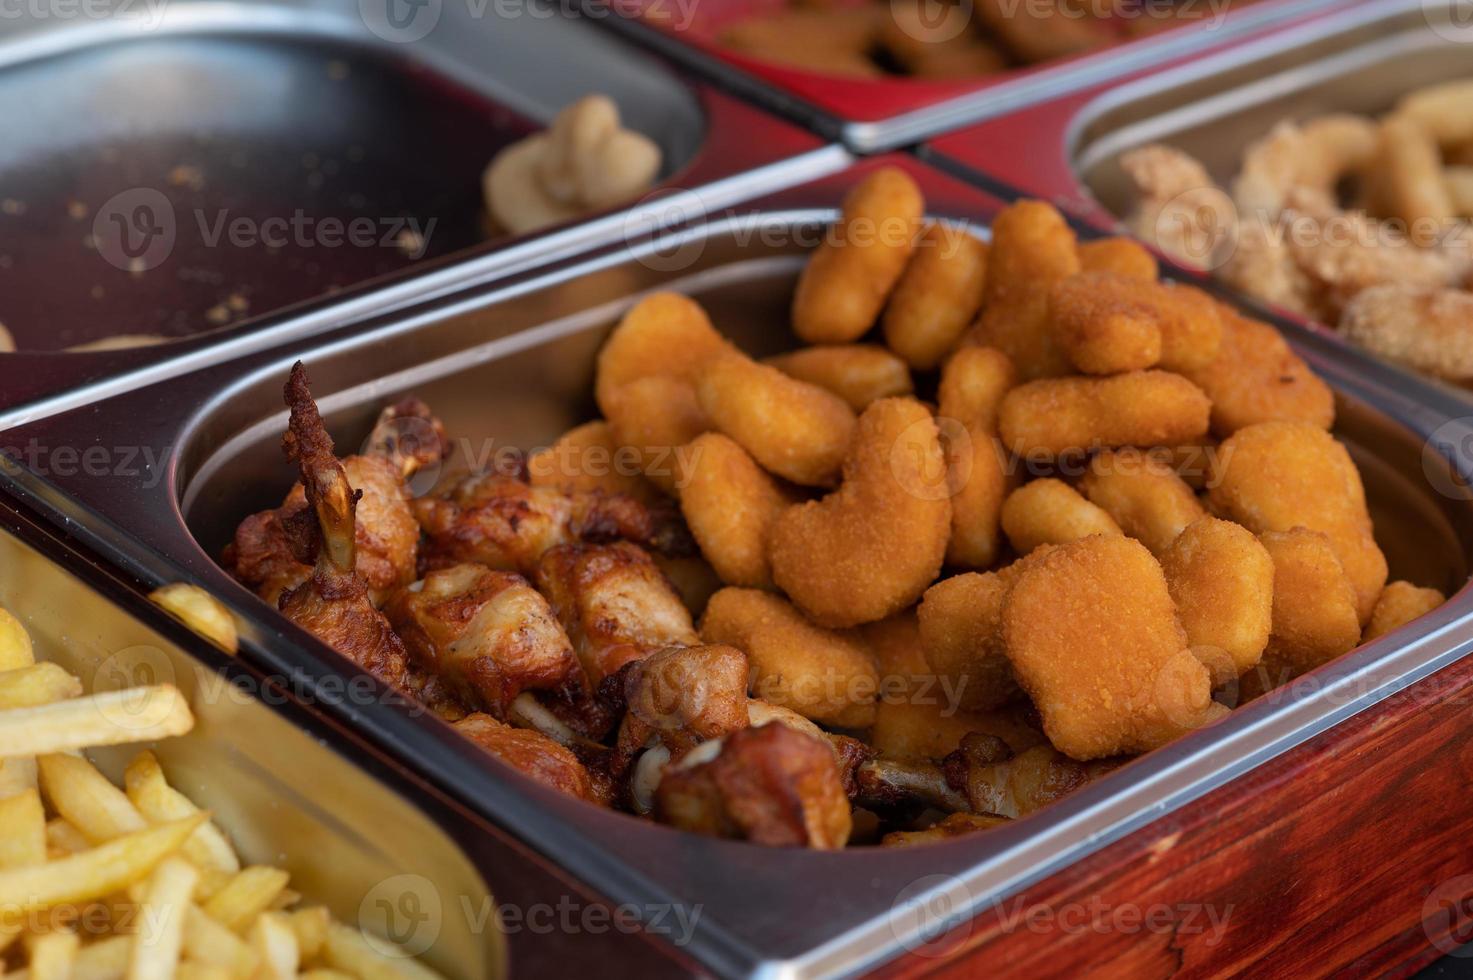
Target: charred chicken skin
x=532, y=754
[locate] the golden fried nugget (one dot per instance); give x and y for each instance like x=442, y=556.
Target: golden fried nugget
x=1191, y=326
x=1196, y=462
x=1120, y=255
x=1092, y=636
x=729, y=503
x=1144, y=496
x=937, y=297
x=589, y=458
x=654, y=417
x=1399, y=604
x=1257, y=378
x=973, y=383
x=663, y=334
x=894, y=643
x=870, y=548
x=1222, y=581
x=823, y=675
x=1104, y=323
x=1049, y=511
x=1058, y=416
x=1032, y=248
x=850, y=275
x=1277, y=476
x=910, y=732
x=1314, y=614
x=794, y=429
x=961, y=632
x=857, y=373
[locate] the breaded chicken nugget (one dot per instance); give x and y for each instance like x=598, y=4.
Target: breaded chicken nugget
x=1257, y=378
x=1191, y=326
x=961, y=633
x=938, y=296
x=653, y=417
x=1032, y=248
x=870, y=548
x=894, y=644
x=823, y=675
x=663, y=334
x=729, y=503
x=972, y=387
x=1120, y=255
x=1314, y=614
x=920, y=732
x=847, y=280
x=794, y=429
x=1092, y=635
x=590, y=458
x=1196, y=462
x=857, y=373
x=1277, y=476
x=1222, y=581
x=1400, y=603
x=1049, y=511
x=1104, y=323
x=1144, y=496
x=1058, y=416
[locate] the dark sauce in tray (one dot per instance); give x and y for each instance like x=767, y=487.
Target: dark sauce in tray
x=176, y=184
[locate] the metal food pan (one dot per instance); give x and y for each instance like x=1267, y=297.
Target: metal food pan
x=513, y=365
x=231, y=174
x=871, y=115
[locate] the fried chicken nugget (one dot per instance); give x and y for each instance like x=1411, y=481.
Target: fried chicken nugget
x=870, y=548
x=857, y=373
x=664, y=334
x=653, y=417
x=1314, y=608
x=1058, y=416
x=1092, y=636
x=910, y=732
x=1119, y=255
x=1222, y=581
x=1104, y=323
x=823, y=675
x=1277, y=476
x=589, y=458
x=730, y=503
x=1256, y=377
x=973, y=383
x=1143, y=495
x=850, y=275
x=894, y=644
x=1049, y=511
x=961, y=633
x=938, y=296
x=1032, y=248
x=794, y=429
x=1399, y=604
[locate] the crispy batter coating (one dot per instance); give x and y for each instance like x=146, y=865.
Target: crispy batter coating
x=664, y=334
x=1191, y=326
x=531, y=753
x=1119, y=255
x=952, y=826
x=1049, y=511
x=894, y=644
x=857, y=373
x=653, y=417
x=1399, y=604
x=1257, y=378
x=847, y=280
x=1092, y=635
x=730, y=504
x=870, y=548
x=1104, y=323
x=1222, y=581
x=1313, y=156
x=588, y=458
x=1059, y=416
x=1143, y=495
x=771, y=785
x=1423, y=327
x=937, y=297
x=794, y=429
x=913, y=732
x=821, y=674
x=1178, y=207
x=973, y=383
x=1277, y=476
x=1032, y=248
x=1314, y=614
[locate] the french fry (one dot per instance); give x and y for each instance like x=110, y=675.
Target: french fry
x=15, y=643
x=200, y=611
x=160, y=937
x=87, y=799
x=105, y=959
x=191, y=970
x=22, y=830
x=42, y=683
x=207, y=941
x=159, y=802
x=310, y=926
x=63, y=839
x=54, y=955
x=275, y=942
x=141, y=714
x=17, y=774
x=348, y=950
x=248, y=895
x=323, y=973
x=93, y=874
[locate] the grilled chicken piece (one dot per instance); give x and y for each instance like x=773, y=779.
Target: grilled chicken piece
x=406, y=437
x=501, y=521
x=952, y=826
x=770, y=785
x=532, y=753
x=615, y=604
x=488, y=634
x=994, y=780
x=676, y=699
x=334, y=603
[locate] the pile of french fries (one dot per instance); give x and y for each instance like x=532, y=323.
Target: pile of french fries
x=100, y=882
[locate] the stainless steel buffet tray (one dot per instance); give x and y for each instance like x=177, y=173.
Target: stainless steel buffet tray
x=512, y=364
x=233, y=174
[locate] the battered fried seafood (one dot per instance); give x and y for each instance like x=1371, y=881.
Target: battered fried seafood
x=1427, y=328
